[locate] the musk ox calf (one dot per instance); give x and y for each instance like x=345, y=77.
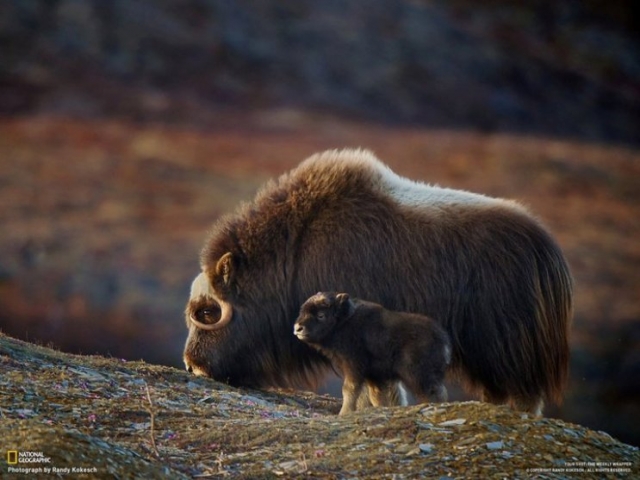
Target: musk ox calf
x=371, y=345
x=483, y=267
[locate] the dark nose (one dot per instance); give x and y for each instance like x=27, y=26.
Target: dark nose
x=187, y=364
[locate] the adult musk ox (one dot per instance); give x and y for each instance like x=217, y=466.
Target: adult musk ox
x=343, y=221
x=377, y=347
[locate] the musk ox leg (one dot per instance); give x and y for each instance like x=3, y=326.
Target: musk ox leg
x=440, y=393
x=351, y=389
x=398, y=395
x=382, y=394
x=436, y=392
x=394, y=394
x=530, y=405
x=426, y=382
x=363, y=400
x=492, y=397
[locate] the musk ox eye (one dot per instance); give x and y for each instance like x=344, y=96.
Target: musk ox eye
x=208, y=315
x=321, y=316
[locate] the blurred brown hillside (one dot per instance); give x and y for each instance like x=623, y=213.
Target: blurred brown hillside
x=560, y=68
x=128, y=127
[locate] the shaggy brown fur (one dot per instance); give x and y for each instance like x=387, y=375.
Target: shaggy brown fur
x=371, y=345
x=484, y=268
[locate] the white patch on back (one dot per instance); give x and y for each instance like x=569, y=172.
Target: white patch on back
x=415, y=194
x=406, y=192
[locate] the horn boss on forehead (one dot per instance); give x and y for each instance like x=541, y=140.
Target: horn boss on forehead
x=205, y=310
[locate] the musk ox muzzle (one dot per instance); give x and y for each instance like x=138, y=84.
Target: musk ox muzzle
x=207, y=313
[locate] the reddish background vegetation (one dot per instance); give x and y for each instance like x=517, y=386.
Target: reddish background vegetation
x=127, y=128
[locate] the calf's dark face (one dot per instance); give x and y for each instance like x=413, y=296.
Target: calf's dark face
x=313, y=327
x=319, y=316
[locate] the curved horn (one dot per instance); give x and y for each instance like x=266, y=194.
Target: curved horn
x=226, y=313
x=202, y=288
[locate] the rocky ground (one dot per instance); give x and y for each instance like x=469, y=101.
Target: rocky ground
x=108, y=418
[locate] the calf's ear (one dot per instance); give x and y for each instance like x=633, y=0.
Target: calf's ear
x=345, y=305
x=341, y=298
x=225, y=268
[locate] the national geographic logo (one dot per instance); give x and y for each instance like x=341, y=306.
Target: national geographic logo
x=15, y=457
x=37, y=463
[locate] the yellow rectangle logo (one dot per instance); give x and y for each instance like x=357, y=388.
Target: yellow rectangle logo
x=12, y=457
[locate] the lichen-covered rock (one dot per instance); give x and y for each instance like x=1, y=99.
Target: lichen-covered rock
x=135, y=420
